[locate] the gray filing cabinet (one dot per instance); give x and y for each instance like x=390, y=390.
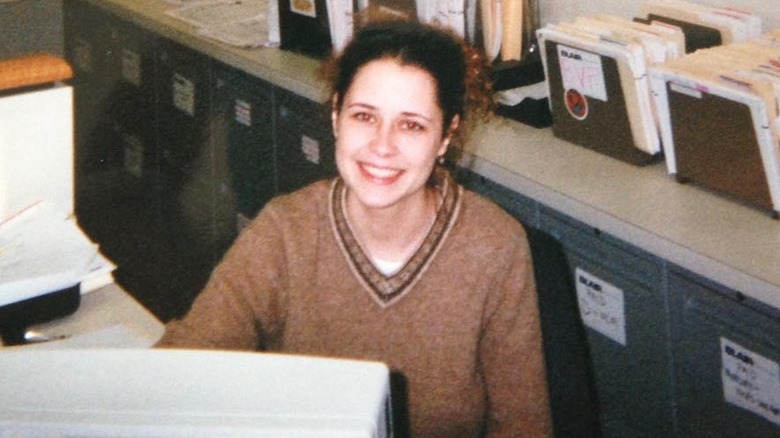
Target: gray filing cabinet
x=243, y=150
x=305, y=147
x=621, y=295
x=726, y=353
x=122, y=214
x=522, y=208
x=186, y=186
x=87, y=38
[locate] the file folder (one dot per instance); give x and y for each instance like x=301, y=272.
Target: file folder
x=704, y=26
x=719, y=122
x=696, y=36
x=610, y=114
x=716, y=145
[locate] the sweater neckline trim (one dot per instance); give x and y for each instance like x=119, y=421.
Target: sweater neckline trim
x=387, y=290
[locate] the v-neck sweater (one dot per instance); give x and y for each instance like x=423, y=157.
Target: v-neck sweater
x=459, y=321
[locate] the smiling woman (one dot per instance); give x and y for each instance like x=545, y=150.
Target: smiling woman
x=393, y=261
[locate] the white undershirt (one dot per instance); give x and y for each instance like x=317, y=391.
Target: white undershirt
x=386, y=267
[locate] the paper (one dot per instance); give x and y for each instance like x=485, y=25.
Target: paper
x=100, y=272
x=750, y=380
x=601, y=306
x=241, y=23
x=41, y=250
x=218, y=12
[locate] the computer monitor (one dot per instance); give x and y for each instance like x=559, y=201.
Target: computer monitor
x=187, y=393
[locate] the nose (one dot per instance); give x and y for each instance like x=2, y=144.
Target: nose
x=384, y=142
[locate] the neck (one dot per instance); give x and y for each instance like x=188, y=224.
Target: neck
x=393, y=233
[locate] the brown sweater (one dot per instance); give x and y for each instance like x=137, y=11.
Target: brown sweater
x=459, y=321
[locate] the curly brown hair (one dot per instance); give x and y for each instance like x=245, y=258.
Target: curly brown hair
x=458, y=68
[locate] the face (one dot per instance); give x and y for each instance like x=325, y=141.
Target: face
x=388, y=135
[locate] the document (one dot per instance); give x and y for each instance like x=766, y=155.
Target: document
x=42, y=250
x=241, y=23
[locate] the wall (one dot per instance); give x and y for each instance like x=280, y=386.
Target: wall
x=553, y=11
x=28, y=26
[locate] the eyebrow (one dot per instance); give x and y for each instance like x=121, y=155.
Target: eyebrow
x=404, y=113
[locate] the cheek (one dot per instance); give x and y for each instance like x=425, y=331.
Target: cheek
x=352, y=137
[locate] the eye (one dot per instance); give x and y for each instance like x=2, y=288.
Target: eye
x=411, y=125
x=362, y=116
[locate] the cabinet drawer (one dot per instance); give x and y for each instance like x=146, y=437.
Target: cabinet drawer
x=726, y=357
x=520, y=207
x=305, y=146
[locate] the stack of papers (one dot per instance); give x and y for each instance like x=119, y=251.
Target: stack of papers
x=733, y=91
x=242, y=23
x=43, y=251
x=726, y=25
x=596, y=69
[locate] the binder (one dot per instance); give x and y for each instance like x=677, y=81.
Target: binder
x=304, y=27
x=612, y=114
x=720, y=150
x=719, y=121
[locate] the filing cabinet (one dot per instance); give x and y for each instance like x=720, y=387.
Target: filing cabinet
x=622, y=301
x=520, y=207
x=186, y=185
x=243, y=150
x=115, y=136
x=726, y=353
x=87, y=49
x=125, y=220
x=305, y=147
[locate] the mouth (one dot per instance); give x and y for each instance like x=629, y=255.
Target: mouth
x=380, y=174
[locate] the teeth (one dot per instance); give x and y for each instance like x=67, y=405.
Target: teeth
x=380, y=172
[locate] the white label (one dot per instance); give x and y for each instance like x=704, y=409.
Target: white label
x=582, y=71
x=243, y=112
x=304, y=7
x=131, y=67
x=184, y=94
x=601, y=306
x=750, y=380
x=311, y=149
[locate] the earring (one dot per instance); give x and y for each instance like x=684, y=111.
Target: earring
x=440, y=160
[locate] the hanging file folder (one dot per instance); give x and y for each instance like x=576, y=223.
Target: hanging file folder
x=719, y=121
x=599, y=95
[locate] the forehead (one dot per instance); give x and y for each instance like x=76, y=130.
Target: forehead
x=386, y=82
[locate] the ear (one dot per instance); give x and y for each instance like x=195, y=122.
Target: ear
x=445, y=142
x=334, y=114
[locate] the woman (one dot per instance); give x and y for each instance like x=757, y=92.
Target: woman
x=393, y=261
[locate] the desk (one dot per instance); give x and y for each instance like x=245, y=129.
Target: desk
x=107, y=318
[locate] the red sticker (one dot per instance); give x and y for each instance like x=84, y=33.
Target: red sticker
x=576, y=104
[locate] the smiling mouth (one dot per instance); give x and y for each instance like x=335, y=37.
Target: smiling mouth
x=384, y=174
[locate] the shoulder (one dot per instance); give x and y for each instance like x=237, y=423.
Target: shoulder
x=485, y=217
x=292, y=213
x=485, y=231
x=306, y=203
